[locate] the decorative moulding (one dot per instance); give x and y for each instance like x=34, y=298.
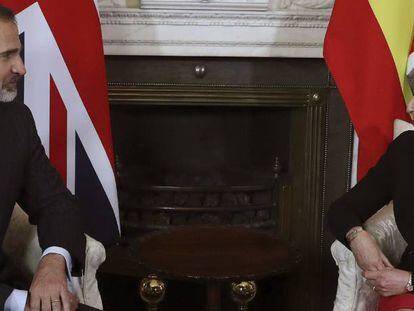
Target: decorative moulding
x=241, y=5
x=281, y=33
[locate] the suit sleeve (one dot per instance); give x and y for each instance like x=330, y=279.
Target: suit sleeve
x=48, y=202
x=368, y=196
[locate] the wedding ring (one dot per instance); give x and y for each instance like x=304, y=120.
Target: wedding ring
x=373, y=288
x=55, y=300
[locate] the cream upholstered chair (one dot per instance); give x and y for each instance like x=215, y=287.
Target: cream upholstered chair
x=22, y=246
x=353, y=292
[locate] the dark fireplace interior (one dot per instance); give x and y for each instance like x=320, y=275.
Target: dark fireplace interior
x=192, y=165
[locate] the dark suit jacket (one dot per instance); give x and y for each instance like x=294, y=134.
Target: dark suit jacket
x=391, y=179
x=27, y=177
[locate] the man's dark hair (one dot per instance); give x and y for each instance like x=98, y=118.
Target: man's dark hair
x=6, y=14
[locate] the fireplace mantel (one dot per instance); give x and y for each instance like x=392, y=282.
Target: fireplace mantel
x=248, y=28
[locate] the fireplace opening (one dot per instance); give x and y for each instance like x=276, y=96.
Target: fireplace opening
x=180, y=165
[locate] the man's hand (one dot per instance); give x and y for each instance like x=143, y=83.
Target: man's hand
x=389, y=281
x=49, y=289
x=368, y=255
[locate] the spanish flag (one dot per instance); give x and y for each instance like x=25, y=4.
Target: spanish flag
x=367, y=45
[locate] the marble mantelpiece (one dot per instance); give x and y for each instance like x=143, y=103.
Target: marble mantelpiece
x=257, y=28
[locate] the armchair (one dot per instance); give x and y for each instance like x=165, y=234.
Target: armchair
x=353, y=293
x=22, y=246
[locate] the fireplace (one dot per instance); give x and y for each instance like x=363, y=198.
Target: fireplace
x=264, y=143
x=197, y=165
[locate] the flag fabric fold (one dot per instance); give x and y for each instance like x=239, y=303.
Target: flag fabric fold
x=366, y=49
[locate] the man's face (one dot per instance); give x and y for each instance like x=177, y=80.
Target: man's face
x=11, y=64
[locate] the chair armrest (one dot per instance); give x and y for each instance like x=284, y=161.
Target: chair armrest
x=353, y=293
x=383, y=228
x=348, y=278
x=86, y=287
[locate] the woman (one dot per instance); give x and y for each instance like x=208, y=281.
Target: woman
x=391, y=179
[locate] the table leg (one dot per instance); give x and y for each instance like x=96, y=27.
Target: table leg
x=243, y=292
x=152, y=291
x=213, y=296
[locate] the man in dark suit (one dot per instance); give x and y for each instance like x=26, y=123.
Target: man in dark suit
x=27, y=177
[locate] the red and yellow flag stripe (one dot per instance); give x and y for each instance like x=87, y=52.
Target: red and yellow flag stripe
x=396, y=19
x=366, y=48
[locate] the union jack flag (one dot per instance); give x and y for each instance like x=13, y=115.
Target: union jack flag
x=65, y=88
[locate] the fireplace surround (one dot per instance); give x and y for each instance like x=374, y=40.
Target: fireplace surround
x=260, y=142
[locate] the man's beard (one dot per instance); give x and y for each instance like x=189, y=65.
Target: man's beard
x=7, y=93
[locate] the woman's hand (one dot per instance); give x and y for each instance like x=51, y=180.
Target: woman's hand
x=368, y=255
x=389, y=281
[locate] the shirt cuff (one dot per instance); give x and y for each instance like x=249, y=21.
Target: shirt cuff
x=16, y=301
x=68, y=260
x=64, y=253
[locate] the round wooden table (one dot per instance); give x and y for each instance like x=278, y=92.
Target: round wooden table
x=214, y=254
